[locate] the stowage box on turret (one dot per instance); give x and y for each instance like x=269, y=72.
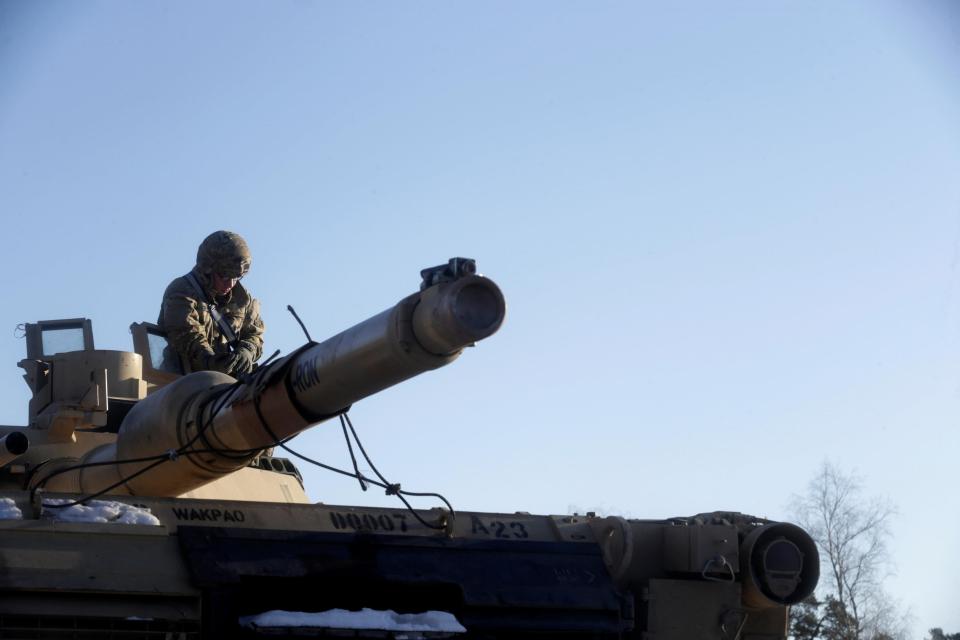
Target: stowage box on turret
x=143, y=503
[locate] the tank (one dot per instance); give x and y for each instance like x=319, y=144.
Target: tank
x=143, y=502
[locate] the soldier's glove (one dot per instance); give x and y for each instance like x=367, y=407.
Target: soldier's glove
x=242, y=363
x=222, y=362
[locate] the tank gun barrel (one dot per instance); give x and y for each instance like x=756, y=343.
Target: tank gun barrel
x=212, y=426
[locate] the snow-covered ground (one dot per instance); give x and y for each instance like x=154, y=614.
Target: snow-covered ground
x=9, y=510
x=97, y=511
x=409, y=626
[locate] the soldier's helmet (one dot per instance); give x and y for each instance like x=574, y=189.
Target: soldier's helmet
x=224, y=253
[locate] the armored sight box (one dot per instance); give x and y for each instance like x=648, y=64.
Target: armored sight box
x=142, y=500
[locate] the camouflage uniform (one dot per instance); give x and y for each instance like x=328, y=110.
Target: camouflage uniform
x=190, y=326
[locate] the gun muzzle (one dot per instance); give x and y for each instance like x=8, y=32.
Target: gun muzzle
x=422, y=332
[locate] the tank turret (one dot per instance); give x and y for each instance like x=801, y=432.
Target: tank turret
x=206, y=425
x=220, y=540
x=129, y=423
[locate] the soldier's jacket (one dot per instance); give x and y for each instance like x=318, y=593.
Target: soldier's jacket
x=191, y=329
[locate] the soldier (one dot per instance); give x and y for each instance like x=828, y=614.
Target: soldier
x=210, y=319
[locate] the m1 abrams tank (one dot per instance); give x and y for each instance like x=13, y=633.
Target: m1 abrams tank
x=202, y=532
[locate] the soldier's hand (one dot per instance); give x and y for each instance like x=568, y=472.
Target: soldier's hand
x=222, y=362
x=242, y=362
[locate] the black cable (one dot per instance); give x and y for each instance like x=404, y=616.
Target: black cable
x=302, y=326
x=267, y=361
x=217, y=402
x=283, y=445
x=85, y=465
x=391, y=489
x=353, y=458
x=92, y=496
x=158, y=459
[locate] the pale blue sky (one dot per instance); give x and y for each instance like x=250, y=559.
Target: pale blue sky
x=728, y=233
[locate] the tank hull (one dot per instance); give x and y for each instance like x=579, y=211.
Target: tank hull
x=210, y=563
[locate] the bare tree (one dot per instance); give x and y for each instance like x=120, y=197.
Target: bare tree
x=851, y=532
